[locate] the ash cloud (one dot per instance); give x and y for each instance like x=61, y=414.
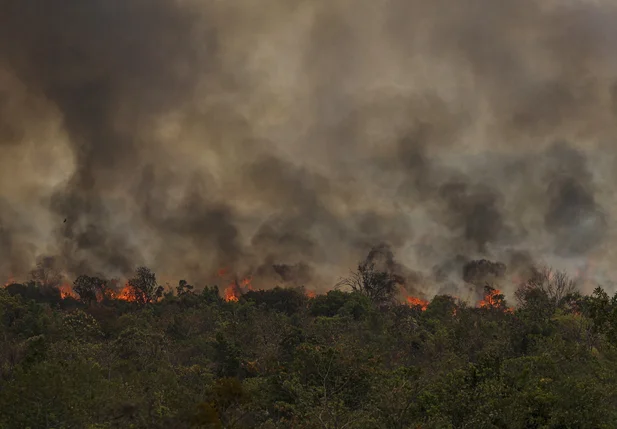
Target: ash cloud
x=288, y=140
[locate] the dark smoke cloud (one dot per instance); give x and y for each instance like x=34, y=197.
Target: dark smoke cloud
x=288, y=140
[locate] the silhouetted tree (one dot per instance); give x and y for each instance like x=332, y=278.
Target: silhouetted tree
x=184, y=288
x=145, y=287
x=47, y=273
x=556, y=286
x=379, y=286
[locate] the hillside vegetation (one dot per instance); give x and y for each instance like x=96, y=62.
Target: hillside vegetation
x=282, y=359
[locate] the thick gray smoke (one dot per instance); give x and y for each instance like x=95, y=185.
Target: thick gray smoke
x=288, y=138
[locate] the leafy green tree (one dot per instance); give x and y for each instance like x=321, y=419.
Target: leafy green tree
x=289, y=301
x=88, y=287
x=602, y=310
x=227, y=357
x=337, y=302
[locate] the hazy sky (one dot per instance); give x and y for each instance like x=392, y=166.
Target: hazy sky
x=194, y=135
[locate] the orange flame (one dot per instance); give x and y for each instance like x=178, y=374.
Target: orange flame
x=235, y=288
x=311, y=294
x=413, y=301
x=127, y=294
x=493, y=300
x=246, y=283
x=232, y=292
x=105, y=294
x=66, y=291
x=10, y=281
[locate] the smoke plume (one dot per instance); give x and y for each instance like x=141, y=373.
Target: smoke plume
x=289, y=138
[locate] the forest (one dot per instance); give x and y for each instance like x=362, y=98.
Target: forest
x=354, y=357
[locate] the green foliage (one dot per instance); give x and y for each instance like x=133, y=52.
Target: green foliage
x=145, y=287
x=87, y=287
x=336, y=302
x=32, y=291
x=288, y=301
x=277, y=359
x=602, y=310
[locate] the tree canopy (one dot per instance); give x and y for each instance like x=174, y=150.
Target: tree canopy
x=282, y=358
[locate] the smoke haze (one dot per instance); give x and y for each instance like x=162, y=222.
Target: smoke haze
x=286, y=139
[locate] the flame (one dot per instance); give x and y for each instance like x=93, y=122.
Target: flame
x=493, y=300
x=66, y=291
x=311, y=294
x=127, y=294
x=235, y=289
x=232, y=292
x=246, y=283
x=105, y=294
x=10, y=281
x=417, y=302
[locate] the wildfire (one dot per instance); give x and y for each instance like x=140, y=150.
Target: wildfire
x=246, y=283
x=10, y=281
x=232, y=293
x=492, y=299
x=105, y=294
x=417, y=302
x=236, y=288
x=127, y=294
x=66, y=291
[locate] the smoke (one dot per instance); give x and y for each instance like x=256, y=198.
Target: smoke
x=288, y=139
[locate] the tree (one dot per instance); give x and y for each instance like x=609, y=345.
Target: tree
x=555, y=285
x=145, y=287
x=47, y=273
x=289, y=301
x=184, y=288
x=379, y=286
x=87, y=287
x=337, y=302
x=602, y=310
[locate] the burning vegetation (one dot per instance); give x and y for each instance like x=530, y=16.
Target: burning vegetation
x=379, y=277
x=223, y=358
x=256, y=151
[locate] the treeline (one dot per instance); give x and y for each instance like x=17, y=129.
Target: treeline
x=282, y=359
